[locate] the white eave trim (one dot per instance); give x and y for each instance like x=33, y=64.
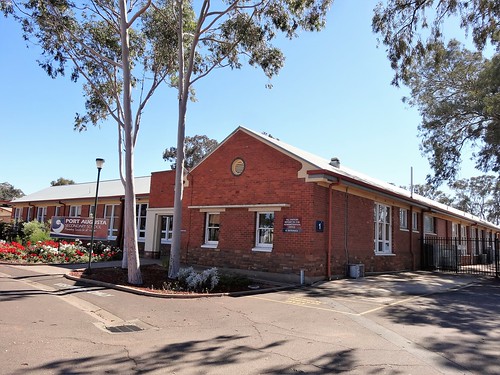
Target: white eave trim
x=251, y=207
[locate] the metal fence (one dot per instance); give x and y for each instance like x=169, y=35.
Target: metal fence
x=461, y=255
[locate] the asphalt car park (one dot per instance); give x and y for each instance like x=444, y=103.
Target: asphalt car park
x=409, y=323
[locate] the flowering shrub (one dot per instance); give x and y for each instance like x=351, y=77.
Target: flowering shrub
x=201, y=282
x=50, y=251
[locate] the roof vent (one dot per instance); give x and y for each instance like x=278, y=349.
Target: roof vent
x=335, y=162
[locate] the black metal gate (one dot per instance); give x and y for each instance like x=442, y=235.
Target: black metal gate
x=461, y=255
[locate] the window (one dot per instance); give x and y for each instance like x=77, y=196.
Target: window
x=480, y=241
x=167, y=224
x=382, y=223
x=459, y=237
x=265, y=231
x=18, y=214
x=41, y=213
x=454, y=231
x=141, y=210
x=30, y=211
x=473, y=241
x=414, y=221
x=429, y=224
x=57, y=211
x=91, y=211
x=110, y=215
x=403, y=218
x=75, y=211
x=212, y=228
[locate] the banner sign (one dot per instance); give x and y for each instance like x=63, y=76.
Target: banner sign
x=292, y=225
x=78, y=227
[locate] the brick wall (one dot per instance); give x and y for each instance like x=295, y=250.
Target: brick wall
x=270, y=177
x=162, y=189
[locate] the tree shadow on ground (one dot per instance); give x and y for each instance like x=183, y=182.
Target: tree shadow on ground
x=464, y=322
x=221, y=354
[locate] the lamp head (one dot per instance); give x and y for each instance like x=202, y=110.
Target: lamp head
x=99, y=163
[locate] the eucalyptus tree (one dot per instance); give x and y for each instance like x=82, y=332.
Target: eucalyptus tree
x=195, y=149
x=103, y=42
x=214, y=35
x=409, y=29
x=9, y=192
x=61, y=181
x=431, y=192
x=457, y=94
x=455, y=90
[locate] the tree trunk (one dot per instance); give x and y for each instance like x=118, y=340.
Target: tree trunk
x=175, y=248
x=130, y=242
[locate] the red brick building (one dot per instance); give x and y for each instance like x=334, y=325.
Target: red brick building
x=260, y=205
x=257, y=205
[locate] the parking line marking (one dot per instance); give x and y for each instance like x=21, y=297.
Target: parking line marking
x=314, y=307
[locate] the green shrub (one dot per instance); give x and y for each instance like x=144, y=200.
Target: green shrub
x=35, y=231
x=11, y=231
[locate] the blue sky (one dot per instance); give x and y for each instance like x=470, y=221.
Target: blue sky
x=332, y=98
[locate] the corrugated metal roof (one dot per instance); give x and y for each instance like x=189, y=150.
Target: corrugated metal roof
x=323, y=164
x=110, y=188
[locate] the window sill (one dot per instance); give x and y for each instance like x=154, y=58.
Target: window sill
x=263, y=249
x=385, y=254
x=209, y=246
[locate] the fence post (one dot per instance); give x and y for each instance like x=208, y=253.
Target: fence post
x=497, y=260
x=456, y=254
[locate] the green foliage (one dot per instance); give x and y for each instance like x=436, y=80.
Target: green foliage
x=11, y=231
x=431, y=192
x=478, y=196
x=9, y=192
x=62, y=181
x=196, y=148
x=456, y=92
x=34, y=231
x=409, y=29
x=85, y=39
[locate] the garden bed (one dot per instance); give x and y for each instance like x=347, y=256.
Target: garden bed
x=155, y=280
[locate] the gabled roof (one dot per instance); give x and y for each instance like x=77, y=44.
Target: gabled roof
x=349, y=176
x=110, y=188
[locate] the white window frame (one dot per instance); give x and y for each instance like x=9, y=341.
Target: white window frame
x=429, y=224
x=112, y=219
x=382, y=229
x=473, y=240
x=480, y=241
x=259, y=245
x=57, y=211
x=414, y=221
x=459, y=238
x=75, y=211
x=141, y=217
x=207, y=242
x=18, y=214
x=30, y=212
x=403, y=219
x=41, y=214
x=166, y=231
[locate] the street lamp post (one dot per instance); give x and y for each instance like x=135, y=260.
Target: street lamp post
x=99, y=163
